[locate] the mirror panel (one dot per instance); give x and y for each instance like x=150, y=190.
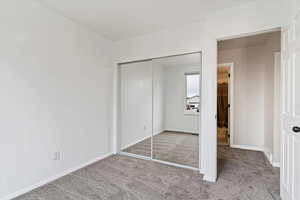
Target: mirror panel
x=136, y=108
x=176, y=100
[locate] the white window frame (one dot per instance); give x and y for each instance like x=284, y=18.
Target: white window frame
x=191, y=112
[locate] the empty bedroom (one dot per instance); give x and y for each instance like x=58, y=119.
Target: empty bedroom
x=150, y=100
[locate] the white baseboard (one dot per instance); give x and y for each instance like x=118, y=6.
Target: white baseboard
x=53, y=178
x=247, y=147
x=159, y=132
x=276, y=164
x=181, y=131
x=269, y=156
x=209, y=179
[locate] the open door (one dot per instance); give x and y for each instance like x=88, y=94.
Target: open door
x=290, y=148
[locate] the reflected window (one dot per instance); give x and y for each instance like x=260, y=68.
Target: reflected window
x=192, y=97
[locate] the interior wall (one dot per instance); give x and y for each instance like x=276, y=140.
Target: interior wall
x=56, y=95
x=175, y=118
x=136, y=102
x=254, y=93
x=271, y=136
x=202, y=36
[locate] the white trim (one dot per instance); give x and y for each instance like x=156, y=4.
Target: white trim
x=118, y=108
x=269, y=156
x=134, y=155
x=231, y=99
x=181, y=131
x=209, y=179
x=258, y=32
x=53, y=178
x=277, y=105
x=247, y=147
x=276, y=164
x=115, y=121
x=191, y=112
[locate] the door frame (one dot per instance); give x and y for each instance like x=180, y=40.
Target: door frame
x=231, y=99
x=118, y=119
x=277, y=107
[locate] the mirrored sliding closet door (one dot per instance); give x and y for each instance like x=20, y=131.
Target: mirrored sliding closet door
x=136, y=108
x=176, y=100
x=160, y=109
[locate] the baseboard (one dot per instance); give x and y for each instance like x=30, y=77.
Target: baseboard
x=159, y=132
x=180, y=131
x=209, y=179
x=276, y=164
x=247, y=147
x=201, y=171
x=53, y=178
x=269, y=156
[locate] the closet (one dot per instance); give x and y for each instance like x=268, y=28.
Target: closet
x=159, y=109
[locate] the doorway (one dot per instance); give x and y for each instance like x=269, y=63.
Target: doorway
x=246, y=113
x=224, y=98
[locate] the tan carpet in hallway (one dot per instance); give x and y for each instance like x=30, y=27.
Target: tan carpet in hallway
x=175, y=147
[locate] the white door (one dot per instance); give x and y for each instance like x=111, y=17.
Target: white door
x=290, y=148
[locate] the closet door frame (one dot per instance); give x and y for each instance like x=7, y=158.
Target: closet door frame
x=117, y=112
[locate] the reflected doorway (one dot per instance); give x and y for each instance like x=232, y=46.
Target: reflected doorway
x=223, y=103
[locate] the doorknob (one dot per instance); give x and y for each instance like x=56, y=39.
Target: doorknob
x=296, y=129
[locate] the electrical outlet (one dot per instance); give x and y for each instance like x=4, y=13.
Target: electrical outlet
x=56, y=155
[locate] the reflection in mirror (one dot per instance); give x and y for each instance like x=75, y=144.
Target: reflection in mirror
x=136, y=108
x=176, y=99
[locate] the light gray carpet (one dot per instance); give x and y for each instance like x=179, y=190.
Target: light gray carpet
x=175, y=147
x=243, y=175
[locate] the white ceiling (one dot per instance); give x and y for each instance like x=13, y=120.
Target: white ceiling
x=121, y=19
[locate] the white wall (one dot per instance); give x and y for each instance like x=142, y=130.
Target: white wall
x=271, y=137
x=202, y=36
x=175, y=119
x=136, y=102
x=56, y=95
